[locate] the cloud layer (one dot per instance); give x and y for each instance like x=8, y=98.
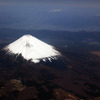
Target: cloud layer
x=50, y=14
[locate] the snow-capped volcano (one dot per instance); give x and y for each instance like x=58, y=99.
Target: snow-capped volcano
x=32, y=48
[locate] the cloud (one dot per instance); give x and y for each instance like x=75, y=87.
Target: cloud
x=55, y=10
x=98, y=15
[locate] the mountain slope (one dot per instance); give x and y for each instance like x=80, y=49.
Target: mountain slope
x=32, y=48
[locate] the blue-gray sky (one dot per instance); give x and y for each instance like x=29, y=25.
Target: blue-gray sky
x=50, y=14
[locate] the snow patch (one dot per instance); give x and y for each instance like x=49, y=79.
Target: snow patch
x=32, y=48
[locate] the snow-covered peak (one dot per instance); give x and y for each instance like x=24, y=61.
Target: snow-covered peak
x=32, y=48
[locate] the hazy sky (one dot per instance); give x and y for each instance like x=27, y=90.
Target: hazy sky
x=50, y=14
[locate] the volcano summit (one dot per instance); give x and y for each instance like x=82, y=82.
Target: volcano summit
x=32, y=48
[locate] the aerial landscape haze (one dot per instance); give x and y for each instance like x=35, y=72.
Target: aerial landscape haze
x=49, y=50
